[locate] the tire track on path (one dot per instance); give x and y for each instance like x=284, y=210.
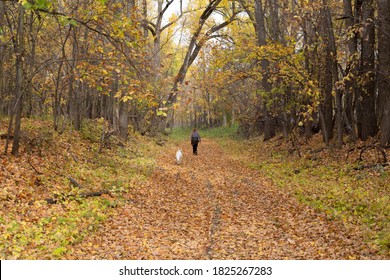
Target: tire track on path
x=214, y=223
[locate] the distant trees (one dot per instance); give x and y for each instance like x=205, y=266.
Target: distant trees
x=110, y=59
x=71, y=59
x=313, y=63
x=271, y=65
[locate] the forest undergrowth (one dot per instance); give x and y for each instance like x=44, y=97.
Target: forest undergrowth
x=63, y=186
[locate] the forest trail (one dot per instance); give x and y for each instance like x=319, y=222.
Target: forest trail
x=214, y=207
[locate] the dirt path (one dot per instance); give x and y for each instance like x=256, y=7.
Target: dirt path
x=212, y=207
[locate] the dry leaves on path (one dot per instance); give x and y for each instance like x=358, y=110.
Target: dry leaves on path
x=212, y=207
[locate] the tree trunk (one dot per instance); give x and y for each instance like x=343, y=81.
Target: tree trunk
x=326, y=74
x=2, y=56
x=275, y=22
x=57, y=92
x=74, y=111
x=157, y=41
x=350, y=85
x=123, y=105
x=269, y=124
x=308, y=35
x=115, y=101
x=19, y=81
x=335, y=76
x=31, y=61
x=123, y=119
x=368, y=121
x=145, y=17
x=384, y=70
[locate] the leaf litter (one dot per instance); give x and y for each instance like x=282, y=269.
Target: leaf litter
x=215, y=207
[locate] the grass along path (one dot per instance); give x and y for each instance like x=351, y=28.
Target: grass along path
x=215, y=207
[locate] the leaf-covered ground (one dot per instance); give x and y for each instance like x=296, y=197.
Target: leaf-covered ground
x=215, y=207
x=350, y=184
x=30, y=228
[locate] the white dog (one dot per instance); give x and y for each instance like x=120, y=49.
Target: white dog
x=179, y=156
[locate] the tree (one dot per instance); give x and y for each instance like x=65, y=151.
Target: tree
x=367, y=114
x=2, y=55
x=197, y=41
x=269, y=127
x=19, y=91
x=350, y=88
x=384, y=70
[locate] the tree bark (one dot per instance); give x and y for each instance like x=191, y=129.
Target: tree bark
x=350, y=85
x=326, y=74
x=384, y=70
x=2, y=56
x=308, y=35
x=335, y=77
x=269, y=123
x=120, y=105
x=275, y=22
x=367, y=114
x=123, y=119
x=145, y=16
x=32, y=37
x=57, y=92
x=19, y=81
x=74, y=111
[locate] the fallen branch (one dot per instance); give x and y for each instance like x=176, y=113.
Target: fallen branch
x=36, y=170
x=83, y=195
x=75, y=183
x=92, y=194
x=371, y=165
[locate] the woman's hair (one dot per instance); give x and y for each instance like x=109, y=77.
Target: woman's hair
x=194, y=129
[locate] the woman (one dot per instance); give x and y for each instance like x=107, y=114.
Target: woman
x=195, y=140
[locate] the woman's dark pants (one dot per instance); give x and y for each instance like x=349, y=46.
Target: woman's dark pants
x=195, y=148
